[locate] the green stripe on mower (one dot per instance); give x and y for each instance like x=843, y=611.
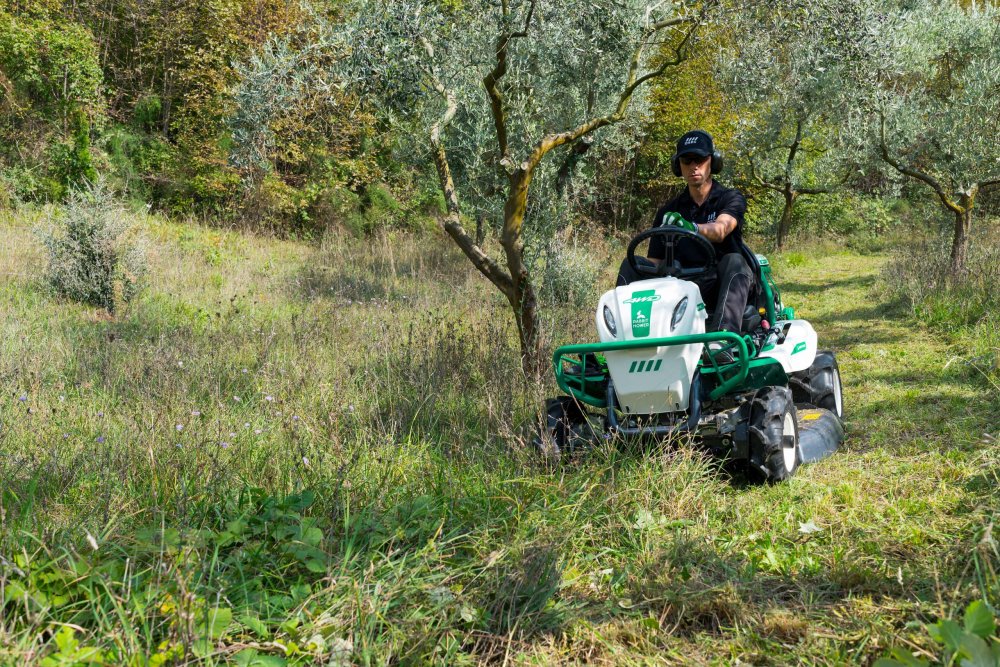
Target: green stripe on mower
x=566, y=382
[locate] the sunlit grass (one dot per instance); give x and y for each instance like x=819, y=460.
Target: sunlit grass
x=315, y=453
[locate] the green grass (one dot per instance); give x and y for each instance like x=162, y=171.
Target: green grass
x=300, y=454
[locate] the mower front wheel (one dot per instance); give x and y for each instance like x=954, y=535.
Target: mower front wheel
x=559, y=431
x=775, y=453
x=819, y=384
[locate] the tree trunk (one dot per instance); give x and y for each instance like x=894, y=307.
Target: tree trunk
x=522, y=296
x=785, y=224
x=526, y=316
x=960, y=240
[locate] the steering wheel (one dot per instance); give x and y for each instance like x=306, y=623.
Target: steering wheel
x=699, y=254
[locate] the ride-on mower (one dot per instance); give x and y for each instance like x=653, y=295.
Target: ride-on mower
x=764, y=397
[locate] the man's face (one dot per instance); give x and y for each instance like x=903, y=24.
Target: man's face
x=696, y=170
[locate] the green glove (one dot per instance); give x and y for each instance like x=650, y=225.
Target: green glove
x=672, y=219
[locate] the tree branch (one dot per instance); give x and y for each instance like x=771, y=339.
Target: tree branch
x=757, y=177
x=491, y=80
x=548, y=142
x=453, y=220
x=792, y=150
x=989, y=183
x=913, y=173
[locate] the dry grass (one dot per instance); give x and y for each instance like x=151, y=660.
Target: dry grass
x=380, y=381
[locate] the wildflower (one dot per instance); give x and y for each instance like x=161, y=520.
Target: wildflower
x=62, y=399
x=180, y=364
x=100, y=439
x=179, y=427
x=350, y=408
x=100, y=414
x=246, y=424
x=305, y=461
x=245, y=371
x=269, y=398
x=295, y=418
x=196, y=413
x=65, y=436
x=236, y=398
x=258, y=431
x=232, y=434
x=23, y=398
x=224, y=444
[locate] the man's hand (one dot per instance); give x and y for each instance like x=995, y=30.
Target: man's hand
x=672, y=219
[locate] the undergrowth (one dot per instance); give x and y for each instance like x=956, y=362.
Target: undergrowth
x=292, y=454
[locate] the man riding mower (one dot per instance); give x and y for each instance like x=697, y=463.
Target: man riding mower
x=736, y=370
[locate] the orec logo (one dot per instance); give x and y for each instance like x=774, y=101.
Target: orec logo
x=643, y=299
x=690, y=140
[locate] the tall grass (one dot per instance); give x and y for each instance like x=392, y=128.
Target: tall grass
x=966, y=307
x=292, y=454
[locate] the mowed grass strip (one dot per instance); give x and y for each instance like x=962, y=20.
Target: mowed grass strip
x=288, y=453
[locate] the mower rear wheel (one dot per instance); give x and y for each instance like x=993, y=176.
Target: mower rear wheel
x=563, y=419
x=775, y=453
x=819, y=384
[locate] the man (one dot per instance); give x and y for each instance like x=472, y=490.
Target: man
x=715, y=212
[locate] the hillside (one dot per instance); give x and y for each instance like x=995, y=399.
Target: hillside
x=291, y=454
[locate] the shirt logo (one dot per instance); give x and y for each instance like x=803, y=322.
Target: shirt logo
x=711, y=217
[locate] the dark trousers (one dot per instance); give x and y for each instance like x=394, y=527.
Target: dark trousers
x=727, y=288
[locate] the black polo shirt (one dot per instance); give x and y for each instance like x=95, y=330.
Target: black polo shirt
x=720, y=200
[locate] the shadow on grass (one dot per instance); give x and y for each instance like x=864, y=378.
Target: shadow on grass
x=804, y=288
x=314, y=282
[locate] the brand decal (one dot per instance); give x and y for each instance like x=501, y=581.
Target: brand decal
x=644, y=366
x=701, y=306
x=799, y=348
x=690, y=140
x=642, y=310
x=711, y=216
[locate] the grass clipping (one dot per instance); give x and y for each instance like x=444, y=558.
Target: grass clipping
x=94, y=254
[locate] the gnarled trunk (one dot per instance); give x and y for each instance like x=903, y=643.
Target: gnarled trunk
x=785, y=224
x=960, y=238
x=522, y=295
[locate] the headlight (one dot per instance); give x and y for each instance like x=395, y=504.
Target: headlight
x=609, y=322
x=679, y=311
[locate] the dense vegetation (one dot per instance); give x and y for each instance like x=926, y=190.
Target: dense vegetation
x=258, y=407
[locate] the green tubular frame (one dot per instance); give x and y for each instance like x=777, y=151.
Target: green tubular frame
x=739, y=345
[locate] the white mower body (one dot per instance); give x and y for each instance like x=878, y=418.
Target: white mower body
x=657, y=379
x=797, y=350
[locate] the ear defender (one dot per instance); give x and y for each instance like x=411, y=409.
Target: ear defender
x=675, y=165
x=717, y=162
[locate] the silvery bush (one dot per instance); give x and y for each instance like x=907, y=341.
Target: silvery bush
x=94, y=255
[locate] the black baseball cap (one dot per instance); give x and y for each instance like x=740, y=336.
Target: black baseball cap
x=695, y=142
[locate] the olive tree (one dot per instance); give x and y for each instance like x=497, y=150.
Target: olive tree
x=784, y=68
x=931, y=108
x=509, y=94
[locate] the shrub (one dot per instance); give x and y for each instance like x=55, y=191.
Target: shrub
x=862, y=223
x=919, y=275
x=569, y=275
x=92, y=251
x=6, y=194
